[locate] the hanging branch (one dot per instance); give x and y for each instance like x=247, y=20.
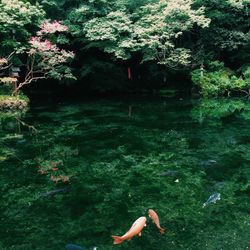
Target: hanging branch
x=30, y=127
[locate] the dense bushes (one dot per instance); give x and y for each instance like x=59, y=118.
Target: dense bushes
x=218, y=80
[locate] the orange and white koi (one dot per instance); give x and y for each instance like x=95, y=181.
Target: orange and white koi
x=135, y=229
x=153, y=215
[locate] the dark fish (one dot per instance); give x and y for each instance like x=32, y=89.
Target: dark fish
x=219, y=185
x=56, y=191
x=212, y=199
x=169, y=172
x=208, y=163
x=74, y=247
x=21, y=141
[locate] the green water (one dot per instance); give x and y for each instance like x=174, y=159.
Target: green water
x=115, y=167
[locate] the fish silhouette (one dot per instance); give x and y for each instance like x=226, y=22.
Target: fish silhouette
x=212, y=199
x=74, y=247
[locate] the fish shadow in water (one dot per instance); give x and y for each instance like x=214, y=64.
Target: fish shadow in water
x=170, y=172
x=55, y=191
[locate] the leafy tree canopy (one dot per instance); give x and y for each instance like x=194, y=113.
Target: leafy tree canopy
x=17, y=21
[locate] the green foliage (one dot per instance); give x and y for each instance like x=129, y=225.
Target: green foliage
x=151, y=30
x=216, y=109
x=17, y=22
x=159, y=26
x=246, y=75
x=13, y=103
x=220, y=81
x=6, y=85
x=211, y=84
x=176, y=34
x=116, y=32
x=229, y=26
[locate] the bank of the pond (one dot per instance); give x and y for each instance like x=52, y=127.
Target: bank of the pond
x=13, y=103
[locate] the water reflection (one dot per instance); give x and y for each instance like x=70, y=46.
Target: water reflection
x=115, y=166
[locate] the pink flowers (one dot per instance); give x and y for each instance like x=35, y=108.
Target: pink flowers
x=46, y=59
x=68, y=54
x=51, y=28
x=42, y=46
x=51, y=54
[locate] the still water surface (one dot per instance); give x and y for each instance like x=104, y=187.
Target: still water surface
x=111, y=167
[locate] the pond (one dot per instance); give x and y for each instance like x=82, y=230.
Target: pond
x=112, y=160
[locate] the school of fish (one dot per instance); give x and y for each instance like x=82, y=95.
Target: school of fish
x=140, y=223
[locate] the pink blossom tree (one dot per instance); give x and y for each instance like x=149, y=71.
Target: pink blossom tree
x=51, y=27
x=44, y=58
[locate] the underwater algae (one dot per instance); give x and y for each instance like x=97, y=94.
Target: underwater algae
x=111, y=166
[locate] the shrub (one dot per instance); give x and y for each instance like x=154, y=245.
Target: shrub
x=218, y=80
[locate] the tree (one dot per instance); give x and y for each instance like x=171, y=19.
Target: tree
x=160, y=28
x=18, y=19
x=44, y=58
x=230, y=24
x=153, y=30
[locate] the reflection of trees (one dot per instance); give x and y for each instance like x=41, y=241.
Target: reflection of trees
x=24, y=124
x=12, y=121
x=216, y=109
x=114, y=184
x=10, y=132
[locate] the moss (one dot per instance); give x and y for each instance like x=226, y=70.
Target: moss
x=12, y=103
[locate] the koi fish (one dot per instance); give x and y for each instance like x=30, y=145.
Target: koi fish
x=153, y=215
x=212, y=199
x=135, y=229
